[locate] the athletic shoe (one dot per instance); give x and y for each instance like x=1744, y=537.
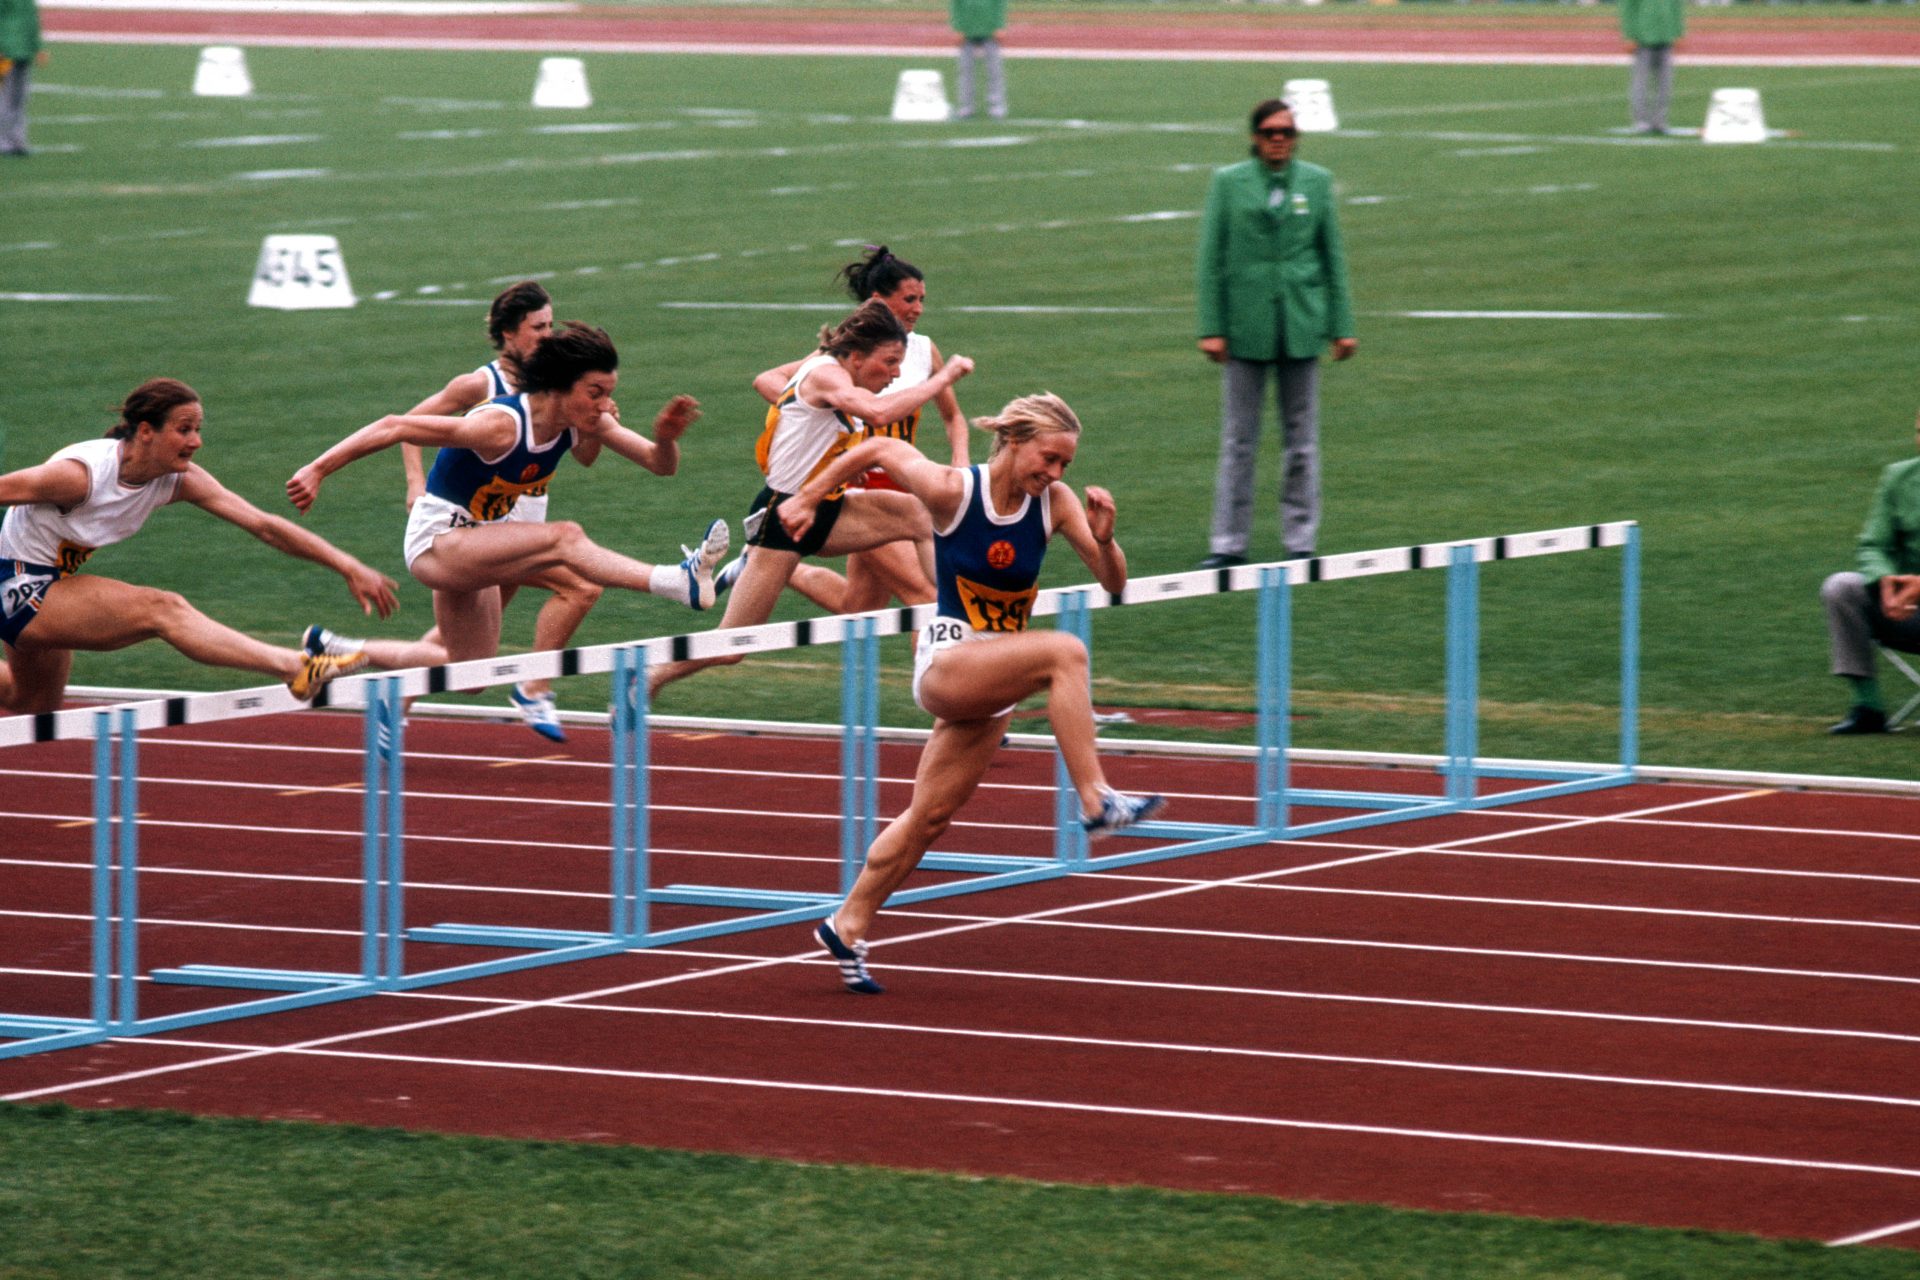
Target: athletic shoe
x=700, y=563
x=852, y=958
x=540, y=713
x=750, y=527
x=1119, y=811
x=320, y=642
x=729, y=574
x=318, y=668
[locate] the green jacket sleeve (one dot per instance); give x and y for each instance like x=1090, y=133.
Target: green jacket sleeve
x=1339, y=298
x=1210, y=266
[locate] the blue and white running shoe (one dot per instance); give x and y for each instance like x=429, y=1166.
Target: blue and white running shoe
x=700, y=563
x=541, y=713
x=729, y=574
x=1121, y=811
x=852, y=958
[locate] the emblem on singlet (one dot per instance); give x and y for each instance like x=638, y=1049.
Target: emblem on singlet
x=72, y=556
x=991, y=609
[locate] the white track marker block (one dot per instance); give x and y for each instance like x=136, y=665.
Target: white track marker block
x=562, y=83
x=222, y=73
x=1734, y=115
x=300, y=273
x=921, y=95
x=1312, y=103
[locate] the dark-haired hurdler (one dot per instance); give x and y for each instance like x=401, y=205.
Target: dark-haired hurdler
x=815, y=418
x=460, y=542
x=98, y=492
x=520, y=316
x=893, y=568
x=976, y=660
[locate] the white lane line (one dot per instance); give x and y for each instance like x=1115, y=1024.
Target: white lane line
x=1084, y=1108
x=1628, y=909
x=1528, y=315
x=255, y=140
x=1227, y=935
x=1878, y=1233
x=1230, y=1051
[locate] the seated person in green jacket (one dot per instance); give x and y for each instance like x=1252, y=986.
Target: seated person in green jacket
x=1881, y=603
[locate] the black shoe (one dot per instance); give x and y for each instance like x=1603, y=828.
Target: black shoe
x=1862, y=720
x=1221, y=560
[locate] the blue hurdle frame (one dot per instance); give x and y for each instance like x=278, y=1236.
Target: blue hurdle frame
x=384, y=933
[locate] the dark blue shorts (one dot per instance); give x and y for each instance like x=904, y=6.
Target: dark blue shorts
x=23, y=585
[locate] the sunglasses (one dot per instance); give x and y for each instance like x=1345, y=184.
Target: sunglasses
x=1284, y=131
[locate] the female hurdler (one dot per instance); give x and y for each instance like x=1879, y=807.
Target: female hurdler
x=98, y=492
x=460, y=540
x=976, y=660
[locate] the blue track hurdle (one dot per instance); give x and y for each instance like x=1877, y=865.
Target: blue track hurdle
x=384, y=932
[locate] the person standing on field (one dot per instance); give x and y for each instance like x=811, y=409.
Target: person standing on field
x=979, y=23
x=1652, y=28
x=20, y=48
x=1271, y=286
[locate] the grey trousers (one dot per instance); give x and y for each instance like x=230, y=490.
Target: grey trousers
x=1243, y=387
x=1855, y=624
x=988, y=52
x=1652, y=85
x=13, y=106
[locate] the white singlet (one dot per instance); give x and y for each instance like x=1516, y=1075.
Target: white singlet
x=808, y=437
x=41, y=533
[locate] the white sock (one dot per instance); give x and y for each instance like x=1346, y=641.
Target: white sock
x=671, y=582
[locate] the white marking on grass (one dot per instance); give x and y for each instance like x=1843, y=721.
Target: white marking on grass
x=1521, y=150
x=444, y=135
x=83, y=297
x=92, y=91
x=28, y=246
x=256, y=140
x=610, y=126
x=1527, y=315
x=280, y=175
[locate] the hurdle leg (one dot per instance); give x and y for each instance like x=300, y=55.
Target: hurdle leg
x=1274, y=680
x=1463, y=673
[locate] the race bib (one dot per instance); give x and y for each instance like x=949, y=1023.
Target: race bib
x=945, y=631
x=21, y=593
x=991, y=609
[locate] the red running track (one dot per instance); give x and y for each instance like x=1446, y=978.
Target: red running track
x=1660, y=1004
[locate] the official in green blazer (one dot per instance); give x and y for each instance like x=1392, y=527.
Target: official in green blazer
x=1880, y=603
x=20, y=48
x=1651, y=28
x=1271, y=286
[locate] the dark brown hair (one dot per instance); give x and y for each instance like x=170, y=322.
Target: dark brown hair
x=515, y=303
x=567, y=355
x=151, y=402
x=871, y=327
x=877, y=274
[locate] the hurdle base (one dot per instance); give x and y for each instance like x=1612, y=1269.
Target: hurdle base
x=979, y=862
x=27, y=1027
x=491, y=935
x=703, y=895
x=220, y=975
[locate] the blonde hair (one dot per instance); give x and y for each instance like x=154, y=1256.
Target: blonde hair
x=1027, y=417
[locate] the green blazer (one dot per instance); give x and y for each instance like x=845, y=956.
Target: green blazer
x=1890, y=540
x=1652, y=22
x=1271, y=259
x=979, y=19
x=19, y=30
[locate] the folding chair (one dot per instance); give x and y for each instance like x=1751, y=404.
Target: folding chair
x=1898, y=719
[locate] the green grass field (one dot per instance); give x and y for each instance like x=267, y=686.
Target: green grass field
x=101, y=1196
x=1744, y=428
